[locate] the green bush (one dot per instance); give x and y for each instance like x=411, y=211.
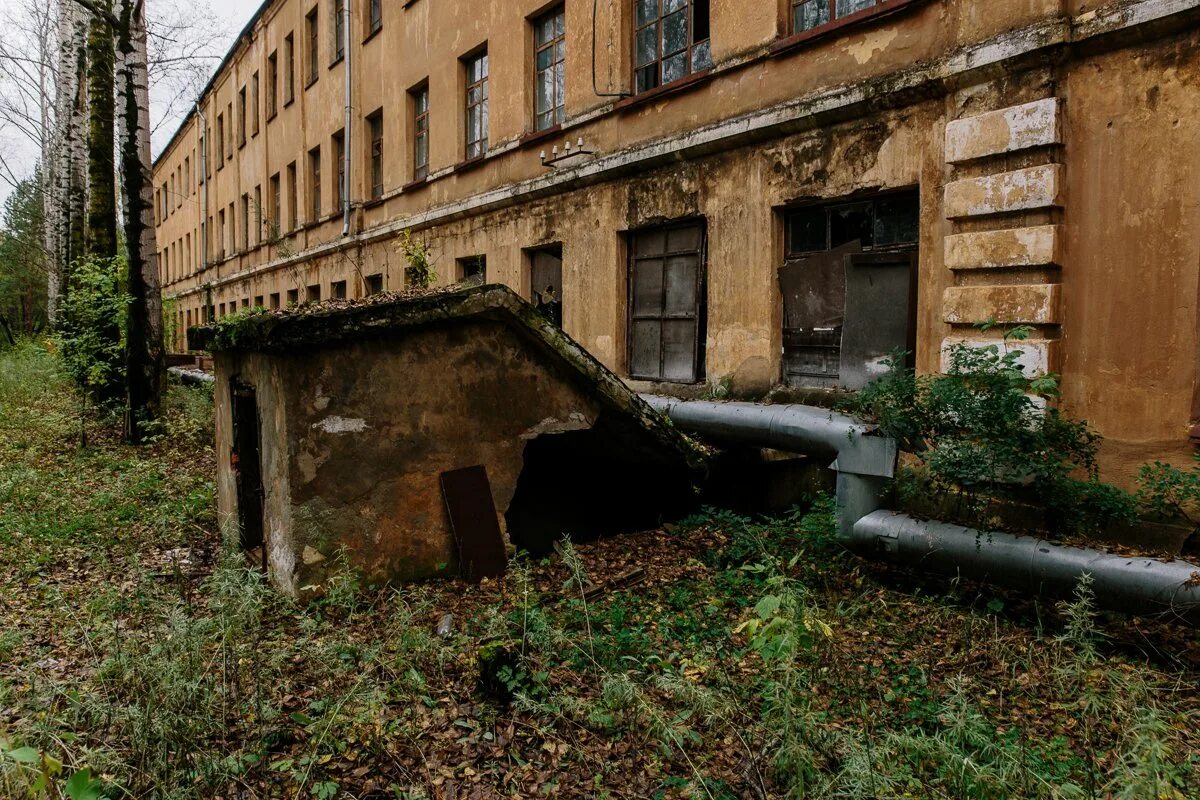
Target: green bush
x=89, y=333
x=984, y=428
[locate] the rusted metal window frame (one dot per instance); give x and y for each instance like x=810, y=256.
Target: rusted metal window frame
x=548, y=118
x=688, y=9
x=375, y=152
x=476, y=148
x=700, y=315
x=420, y=106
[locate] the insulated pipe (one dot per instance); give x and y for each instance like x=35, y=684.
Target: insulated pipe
x=347, y=111
x=863, y=460
x=1143, y=586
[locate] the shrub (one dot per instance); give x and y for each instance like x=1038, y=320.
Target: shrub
x=89, y=330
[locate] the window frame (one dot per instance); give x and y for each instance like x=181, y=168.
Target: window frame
x=272, y=85
x=341, y=191
x=314, y=183
x=374, y=130
x=339, y=33
x=691, y=66
x=312, y=32
x=795, y=36
x=420, y=123
x=374, y=18
x=475, y=148
x=289, y=78
x=557, y=44
x=241, y=121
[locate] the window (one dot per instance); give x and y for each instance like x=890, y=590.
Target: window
x=420, y=107
x=221, y=234
x=187, y=253
x=373, y=284
x=245, y=222
x=222, y=309
x=314, y=184
x=337, y=290
x=809, y=14
x=545, y=281
x=374, y=16
x=472, y=269
x=313, y=293
x=232, y=231
x=666, y=303
x=293, y=297
x=229, y=116
x=375, y=153
x=477, y=104
x=220, y=141
x=310, y=27
x=258, y=301
x=254, y=104
x=847, y=286
x=258, y=215
x=289, y=69
x=274, y=220
x=339, y=32
x=274, y=301
x=670, y=41
x=339, y=159
x=245, y=303
x=549, y=64
x=241, y=120
x=272, y=85
x=293, y=207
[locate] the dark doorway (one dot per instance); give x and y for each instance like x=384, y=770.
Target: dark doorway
x=666, y=303
x=545, y=281
x=246, y=460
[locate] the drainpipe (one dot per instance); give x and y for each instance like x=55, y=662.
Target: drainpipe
x=204, y=190
x=346, y=137
x=865, y=461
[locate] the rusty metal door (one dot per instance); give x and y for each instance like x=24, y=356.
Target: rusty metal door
x=666, y=303
x=880, y=314
x=814, y=308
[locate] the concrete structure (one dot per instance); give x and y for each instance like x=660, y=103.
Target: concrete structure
x=764, y=193
x=338, y=427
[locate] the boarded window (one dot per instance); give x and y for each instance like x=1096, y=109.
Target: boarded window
x=847, y=286
x=545, y=281
x=666, y=303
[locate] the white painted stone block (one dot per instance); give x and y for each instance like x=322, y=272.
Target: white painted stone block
x=1020, y=190
x=1036, y=354
x=1008, y=130
x=1016, y=247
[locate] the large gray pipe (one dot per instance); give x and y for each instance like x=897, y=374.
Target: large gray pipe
x=1133, y=585
x=864, y=462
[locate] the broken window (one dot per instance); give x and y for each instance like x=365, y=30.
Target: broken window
x=340, y=191
x=809, y=14
x=293, y=297
x=549, y=68
x=375, y=152
x=472, y=269
x=373, y=284
x=666, y=303
x=847, y=289
x=545, y=281
x=337, y=290
x=246, y=462
x=477, y=104
x=274, y=301
x=671, y=40
x=313, y=293
x=258, y=301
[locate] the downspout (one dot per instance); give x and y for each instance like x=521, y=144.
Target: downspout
x=346, y=137
x=203, y=188
x=864, y=461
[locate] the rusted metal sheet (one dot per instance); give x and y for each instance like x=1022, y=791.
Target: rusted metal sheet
x=879, y=316
x=473, y=519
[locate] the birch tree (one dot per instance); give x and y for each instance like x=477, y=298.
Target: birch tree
x=144, y=359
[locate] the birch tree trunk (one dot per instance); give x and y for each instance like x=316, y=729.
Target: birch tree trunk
x=102, y=190
x=144, y=355
x=69, y=199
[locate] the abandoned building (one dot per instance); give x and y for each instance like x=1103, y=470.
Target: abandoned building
x=421, y=436
x=740, y=193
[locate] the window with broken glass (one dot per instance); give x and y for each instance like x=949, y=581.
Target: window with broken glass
x=671, y=40
x=375, y=132
x=809, y=14
x=472, y=270
x=477, y=104
x=666, y=303
x=549, y=65
x=847, y=288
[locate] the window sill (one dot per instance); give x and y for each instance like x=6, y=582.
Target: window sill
x=469, y=164
x=372, y=34
x=416, y=183
x=273, y=115
x=883, y=9
x=336, y=61
x=537, y=136
x=289, y=101
x=679, y=85
x=312, y=82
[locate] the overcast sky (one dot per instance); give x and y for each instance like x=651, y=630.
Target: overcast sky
x=231, y=16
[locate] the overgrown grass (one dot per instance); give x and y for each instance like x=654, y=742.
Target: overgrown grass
x=140, y=658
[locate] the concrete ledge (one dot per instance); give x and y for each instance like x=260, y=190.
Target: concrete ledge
x=1017, y=247
x=1021, y=190
x=1035, y=304
x=1038, y=356
x=1008, y=130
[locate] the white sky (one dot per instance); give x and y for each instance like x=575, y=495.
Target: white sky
x=232, y=16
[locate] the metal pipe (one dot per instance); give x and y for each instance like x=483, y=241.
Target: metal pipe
x=1144, y=586
x=346, y=137
x=865, y=462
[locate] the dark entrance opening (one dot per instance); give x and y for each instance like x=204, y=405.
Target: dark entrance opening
x=593, y=483
x=246, y=461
